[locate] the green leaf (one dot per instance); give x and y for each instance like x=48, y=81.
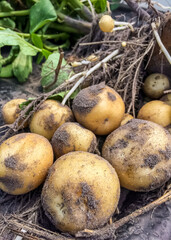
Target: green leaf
x=10, y=38
x=48, y=70
x=46, y=53
x=37, y=40
x=7, y=23
x=22, y=67
x=5, y=7
x=41, y=13
x=114, y=4
x=100, y=6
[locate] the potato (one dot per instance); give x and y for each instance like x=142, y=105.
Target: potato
x=156, y=111
x=82, y=191
x=73, y=137
x=126, y=118
x=166, y=98
x=99, y=108
x=155, y=84
x=11, y=110
x=140, y=152
x=24, y=161
x=49, y=117
x=106, y=23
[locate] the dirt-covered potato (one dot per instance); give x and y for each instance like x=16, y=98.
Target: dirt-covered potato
x=155, y=84
x=140, y=152
x=156, y=111
x=127, y=117
x=24, y=161
x=49, y=117
x=99, y=108
x=73, y=137
x=11, y=110
x=166, y=98
x=82, y=191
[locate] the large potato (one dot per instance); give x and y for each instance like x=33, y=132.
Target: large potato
x=49, y=117
x=140, y=152
x=24, y=161
x=11, y=110
x=156, y=111
x=82, y=191
x=73, y=137
x=99, y=108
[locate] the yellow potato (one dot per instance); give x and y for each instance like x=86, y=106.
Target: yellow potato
x=82, y=191
x=156, y=111
x=73, y=137
x=11, y=110
x=106, y=23
x=49, y=117
x=140, y=152
x=166, y=98
x=99, y=108
x=127, y=117
x=24, y=161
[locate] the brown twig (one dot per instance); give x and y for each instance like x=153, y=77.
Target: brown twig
x=111, y=42
x=109, y=230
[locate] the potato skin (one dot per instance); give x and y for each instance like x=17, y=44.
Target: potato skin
x=82, y=191
x=49, y=117
x=73, y=137
x=140, y=152
x=127, y=117
x=11, y=110
x=155, y=84
x=24, y=161
x=156, y=111
x=99, y=108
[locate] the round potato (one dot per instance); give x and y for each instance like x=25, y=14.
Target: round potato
x=49, y=117
x=127, y=117
x=11, y=110
x=140, y=152
x=99, y=108
x=166, y=98
x=156, y=111
x=82, y=191
x=24, y=161
x=73, y=137
x=155, y=84
x=106, y=23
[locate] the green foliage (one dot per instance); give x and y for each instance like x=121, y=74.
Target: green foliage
x=100, y=6
x=41, y=13
x=22, y=67
x=48, y=70
x=10, y=38
x=5, y=7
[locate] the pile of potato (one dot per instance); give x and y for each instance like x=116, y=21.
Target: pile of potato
x=81, y=189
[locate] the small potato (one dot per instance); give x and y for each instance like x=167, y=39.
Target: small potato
x=99, y=108
x=127, y=117
x=155, y=84
x=24, y=161
x=11, y=110
x=49, y=117
x=106, y=23
x=156, y=111
x=82, y=191
x=166, y=98
x=140, y=152
x=73, y=137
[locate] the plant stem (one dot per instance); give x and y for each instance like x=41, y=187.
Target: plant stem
x=64, y=28
x=82, y=26
x=15, y=13
x=87, y=73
